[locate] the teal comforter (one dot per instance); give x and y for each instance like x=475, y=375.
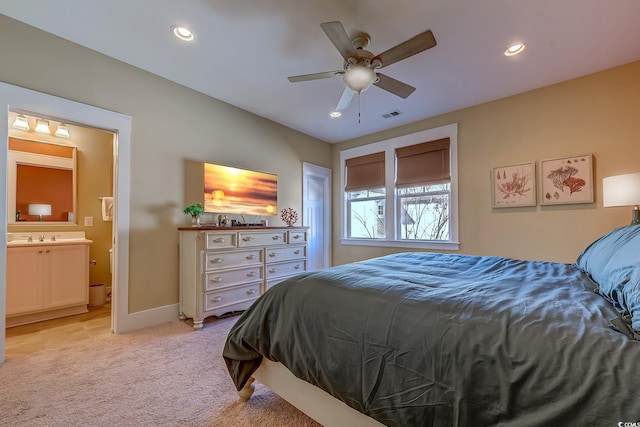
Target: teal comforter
x=422, y=339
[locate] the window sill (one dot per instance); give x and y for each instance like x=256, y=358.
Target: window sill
x=445, y=246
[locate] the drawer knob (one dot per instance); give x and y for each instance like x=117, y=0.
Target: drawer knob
x=297, y=267
x=216, y=299
x=251, y=291
x=219, y=240
x=247, y=238
x=251, y=257
x=273, y=254
x=296, y=236
x=216, y=279
x=276, y=237
x=251, y=274
x=217, y=260
x=273, y=270
x=297, y=252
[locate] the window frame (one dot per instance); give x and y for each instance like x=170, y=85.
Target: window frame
x=392, y=238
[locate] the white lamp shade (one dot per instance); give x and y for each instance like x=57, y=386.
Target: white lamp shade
x=621, y=190
x=42, y=126
x=39, y=209
x=21, y=122
x=62, y=131
x=359, y=78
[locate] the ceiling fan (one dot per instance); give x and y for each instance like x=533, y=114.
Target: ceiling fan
x=360, y=65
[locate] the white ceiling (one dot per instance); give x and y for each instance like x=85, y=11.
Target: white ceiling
x=244, y=50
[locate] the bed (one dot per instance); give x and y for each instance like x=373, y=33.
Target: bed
x=427, y=339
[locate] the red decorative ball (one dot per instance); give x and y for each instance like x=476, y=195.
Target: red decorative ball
x=289, y=216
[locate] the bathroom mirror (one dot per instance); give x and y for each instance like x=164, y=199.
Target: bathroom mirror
x=41, y=183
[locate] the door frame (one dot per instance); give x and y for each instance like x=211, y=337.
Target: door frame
x=309, y=169
x=19, y=98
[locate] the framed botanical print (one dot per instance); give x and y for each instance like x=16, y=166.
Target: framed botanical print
x=514, y=185
x=566, y=180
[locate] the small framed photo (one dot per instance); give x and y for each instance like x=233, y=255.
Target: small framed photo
x=514, y=185
x=566, y=180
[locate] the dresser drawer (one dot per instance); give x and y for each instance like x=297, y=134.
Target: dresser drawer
x=286, y=268
x=226, y=278
x=297, y=236
x=218, y=260
x=254, y=238
x=222, y=298
x=286, y=253
x=222, y=240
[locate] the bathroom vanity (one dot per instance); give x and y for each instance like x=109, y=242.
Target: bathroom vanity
x=47, y=276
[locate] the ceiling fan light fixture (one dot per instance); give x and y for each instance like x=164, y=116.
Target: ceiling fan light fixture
x=359, y=78
x=183, y=33
x=514, y=49
x=21, y=122
x=335, y=114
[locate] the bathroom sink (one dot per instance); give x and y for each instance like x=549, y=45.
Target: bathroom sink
x=48, y=238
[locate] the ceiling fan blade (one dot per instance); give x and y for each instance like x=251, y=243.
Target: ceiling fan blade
x=315, y=76
x=338, y=36
x=345, y=99
x=394, y=86
x=417, y=44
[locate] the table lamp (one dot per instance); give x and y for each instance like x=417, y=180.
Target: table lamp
x=39, y=209
x=622, y=190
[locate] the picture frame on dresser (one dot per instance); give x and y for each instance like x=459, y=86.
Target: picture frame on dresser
x=567, y=180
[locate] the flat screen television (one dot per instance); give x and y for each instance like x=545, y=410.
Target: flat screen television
x=230, y=190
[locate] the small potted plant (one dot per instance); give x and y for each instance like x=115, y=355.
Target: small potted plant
x=195, y=210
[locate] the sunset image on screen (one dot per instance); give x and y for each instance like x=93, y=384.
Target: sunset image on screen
x=238, y=191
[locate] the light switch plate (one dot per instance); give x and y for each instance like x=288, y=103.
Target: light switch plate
x=88, y=221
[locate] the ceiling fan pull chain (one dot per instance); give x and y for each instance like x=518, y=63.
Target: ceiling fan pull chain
x=359, y=93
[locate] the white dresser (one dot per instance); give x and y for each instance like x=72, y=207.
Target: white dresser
x=225, y=269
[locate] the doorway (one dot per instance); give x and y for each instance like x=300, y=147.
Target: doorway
x=14, y=98
x=316, y=205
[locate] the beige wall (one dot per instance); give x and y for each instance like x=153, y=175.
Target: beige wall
x=94, y=179
x=596, y=114
x=171, y=125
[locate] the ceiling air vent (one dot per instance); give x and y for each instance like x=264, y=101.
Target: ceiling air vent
x=394, y=113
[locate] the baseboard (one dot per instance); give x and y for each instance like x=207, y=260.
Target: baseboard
x=146, y=318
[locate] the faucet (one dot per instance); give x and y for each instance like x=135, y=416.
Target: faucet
x=53, y=237
x=41, y=238
x=29, y=238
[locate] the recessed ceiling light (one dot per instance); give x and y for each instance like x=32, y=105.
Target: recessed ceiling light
x=335, y=114
x=514, y=49
x=183, y=33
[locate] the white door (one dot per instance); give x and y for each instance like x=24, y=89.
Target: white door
x=316, y=207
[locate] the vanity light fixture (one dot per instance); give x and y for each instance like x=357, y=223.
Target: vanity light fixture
x=183, y=33
x=21, y=122
x=42, y=126
x=62, y=131
x=514, y=49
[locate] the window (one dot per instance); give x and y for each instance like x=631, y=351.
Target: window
x=402, y=192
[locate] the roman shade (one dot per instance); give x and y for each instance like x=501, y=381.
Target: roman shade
x=365, y=172
x=423, y=163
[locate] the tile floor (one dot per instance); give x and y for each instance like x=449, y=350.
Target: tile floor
x=27, y=339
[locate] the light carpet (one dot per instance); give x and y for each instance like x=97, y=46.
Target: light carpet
x=167, y=375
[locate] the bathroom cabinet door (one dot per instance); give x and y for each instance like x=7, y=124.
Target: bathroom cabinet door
x=24, y=285
x=67, y=276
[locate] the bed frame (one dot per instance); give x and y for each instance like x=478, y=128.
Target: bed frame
x=316, y=403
